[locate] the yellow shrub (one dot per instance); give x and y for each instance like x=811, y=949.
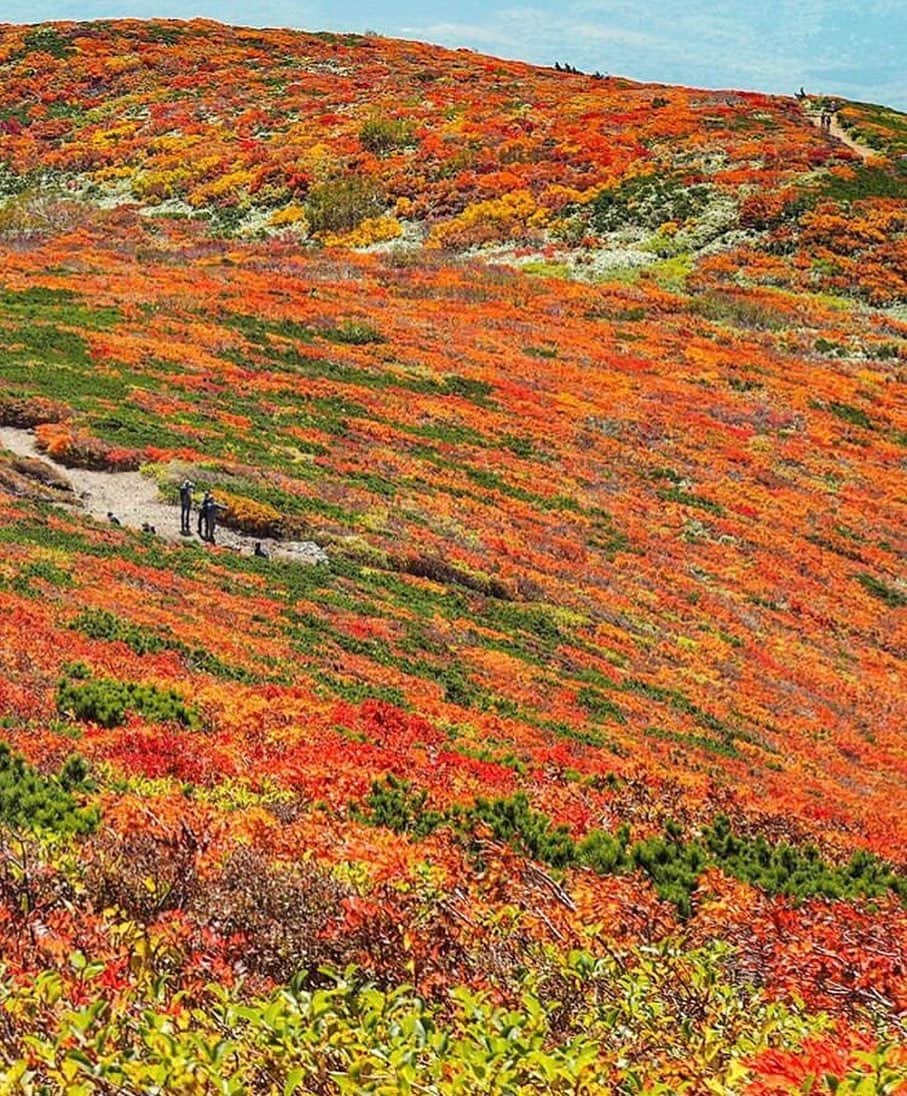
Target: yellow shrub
x=510, y=217
x=291, y=216
x=373, y=230
x=229, y=184
x=158, y=185
x=249, y=516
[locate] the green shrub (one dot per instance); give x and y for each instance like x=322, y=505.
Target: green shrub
x=469, y=388
x=107, y=702
x=672, y=863
x=866, y=182
x=688, y=498
x=674, y=866
x=394, y=803
x=605, y=853
x=528, y=831
x=383, y=135
x=738, y=310
x=48, y=40
x=102, y=624
x=599, y=706
x=341, y=204
x=29, y=800
x=798, y=872
x=647, y=201
x=854, y=415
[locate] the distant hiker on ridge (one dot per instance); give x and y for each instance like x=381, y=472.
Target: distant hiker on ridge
x=185, y=506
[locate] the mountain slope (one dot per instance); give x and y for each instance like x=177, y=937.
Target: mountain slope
x=615, y=536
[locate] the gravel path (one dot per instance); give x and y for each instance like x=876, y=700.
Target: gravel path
x=133, y=498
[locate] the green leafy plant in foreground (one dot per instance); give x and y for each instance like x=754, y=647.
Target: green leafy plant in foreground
x=580, y=1024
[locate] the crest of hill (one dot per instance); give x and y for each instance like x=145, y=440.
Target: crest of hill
x=362, y=140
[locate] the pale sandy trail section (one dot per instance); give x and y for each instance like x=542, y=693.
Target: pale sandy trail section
x=133, y=498
x=839, y=132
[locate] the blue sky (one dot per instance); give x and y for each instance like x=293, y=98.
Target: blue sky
x=855, y=48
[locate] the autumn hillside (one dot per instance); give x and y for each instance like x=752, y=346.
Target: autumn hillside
x=580, y=764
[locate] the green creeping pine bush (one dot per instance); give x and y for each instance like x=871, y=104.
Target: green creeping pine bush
x=528, y=831
x=854, y=415
x=674, y=865
x=102, y=624
x=353, y=333
x=866, y=182
x=29, y=800
x=798, y=871
x=47, y=40
x=393, y=803
x=106, y=701
x=599, y=706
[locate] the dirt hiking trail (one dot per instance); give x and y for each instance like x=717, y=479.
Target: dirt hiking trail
x=840, y=133
x=133, y=498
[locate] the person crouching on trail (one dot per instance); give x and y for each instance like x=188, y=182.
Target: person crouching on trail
x=185, y=506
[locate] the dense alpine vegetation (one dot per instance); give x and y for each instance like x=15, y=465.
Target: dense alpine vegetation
x=580, y=765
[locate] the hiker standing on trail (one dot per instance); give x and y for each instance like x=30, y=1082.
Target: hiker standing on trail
x=207, y=517
x=211, y=518
x=185, y=506
x=207, y=499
